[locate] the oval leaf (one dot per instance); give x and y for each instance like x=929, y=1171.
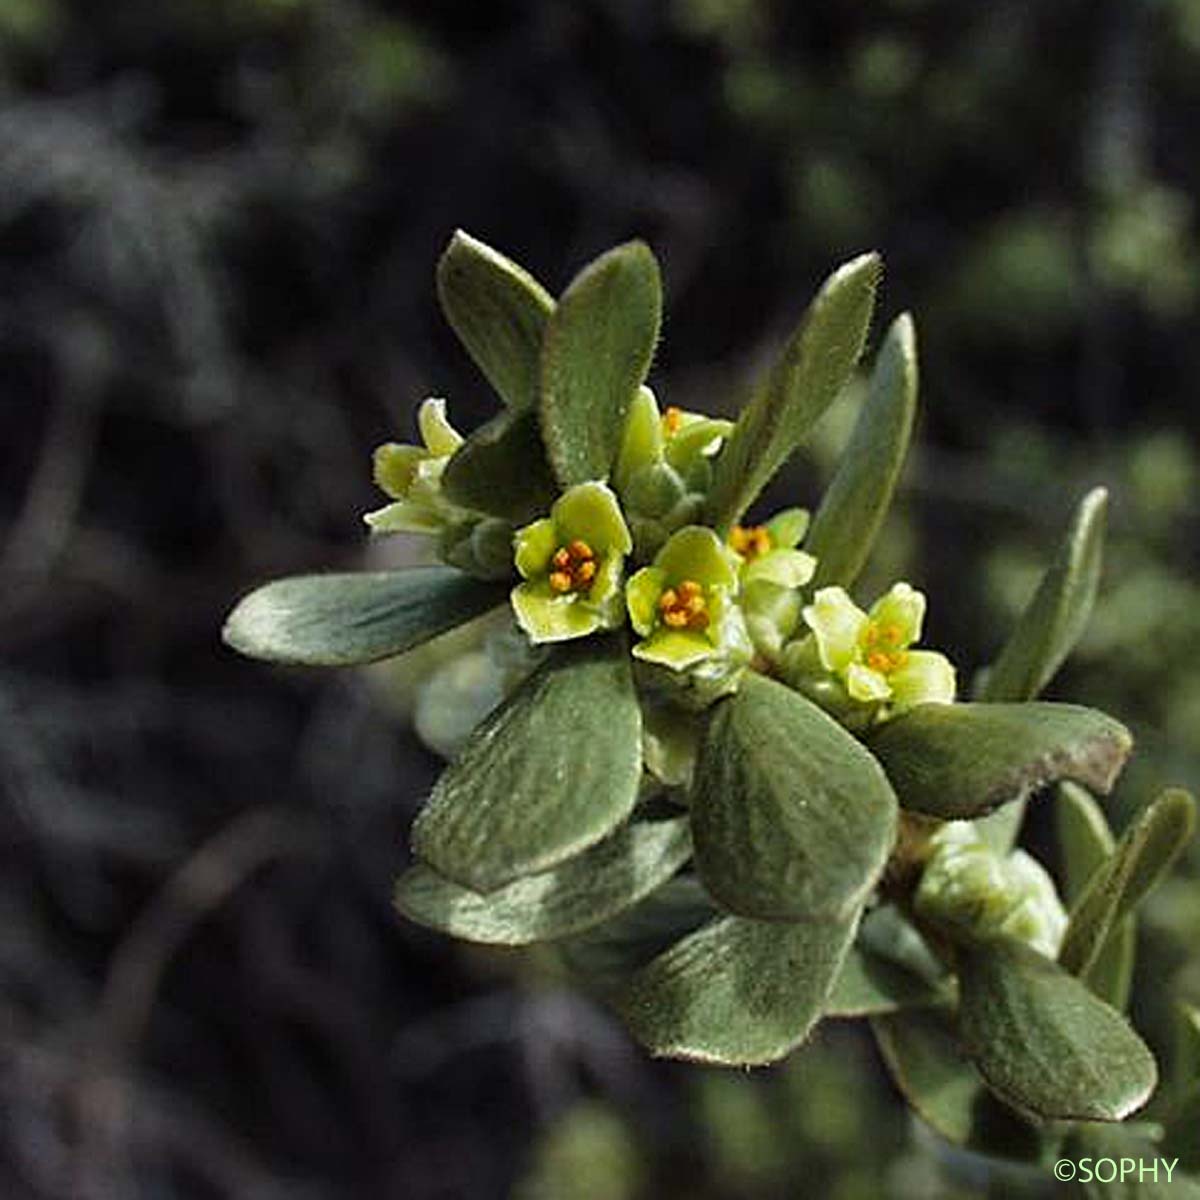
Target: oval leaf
x=501, y=469
x=1056, y=616
x=792, y=818
x=889, y=967
x=944, y=1089
x=1084, y=837
x=596, y=352
x=551, y=772
x=856, y=501
x=962, y=760
x=606, y=956
x=1047, y=632
x=1044, y=1043
x=1143, y=855
x=341, y=620
x=499, y=312
x=1084, y=842
x=813, y=368
x=586, y=890
x=737, y=992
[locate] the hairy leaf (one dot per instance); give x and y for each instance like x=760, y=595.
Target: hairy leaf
x=1057, y=614
x=339, y=620
x=586, y=890
x=501, y=469
x=499, y=312
x=963, y=760
x=856, y=501
x=888, y=968
x=945, y=1090
x=737, y=992
x=1044, y=1043
x=814, y=367
x=1084, y=842
x=549, y=773
x=1143, y=855
x=597, y=350
x=1047, y=632
x=606, y=956
x=792, y=818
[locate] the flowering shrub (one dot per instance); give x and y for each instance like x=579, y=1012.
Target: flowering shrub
x=735, y=801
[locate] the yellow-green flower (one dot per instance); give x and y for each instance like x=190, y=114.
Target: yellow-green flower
x=770, y=571
x=967, y=885
x=411, y=475
x=571, y=564
x=869, y=652
x=663, y=468
x=682, y=604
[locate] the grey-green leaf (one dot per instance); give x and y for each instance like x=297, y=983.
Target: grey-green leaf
x=792, y=818
x=596, y=352
x=1047, y=632
x=1084, y=842
x=857, y=499
x=554, y=770
x=586, y=890
x=945, y=1090
x=962, y=760
x=737, y=992
x=501, y=469
x=1143, y=855
x=1084, y=837
x=1044, y=1043
x=499, y=312
x=340, y=620
x=814, y=367
x=606, y=956
x=1058, y=613
x=888, y=968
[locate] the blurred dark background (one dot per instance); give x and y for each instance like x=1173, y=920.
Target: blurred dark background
x=219, y=221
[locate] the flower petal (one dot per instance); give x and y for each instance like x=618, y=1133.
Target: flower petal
x=698, y=436
x=695, y=552
x=675, y=648
x=904, y=608
x=534, y=547
x=590, y=512
x=405, y=516
x=395, y=467
x=788, y=527
x=437, y=433
x=788, y=568
x=547, y=617
x=642, y=439
x=837, y=623
x=641, y=598
x=865, y=684
x=926, y=678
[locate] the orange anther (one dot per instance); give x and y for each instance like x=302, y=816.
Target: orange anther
x=672, y=419
x=560, y=581
x=580, y=550
x=585, y=572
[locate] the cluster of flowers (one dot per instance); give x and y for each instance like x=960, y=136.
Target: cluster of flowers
x=633, y=552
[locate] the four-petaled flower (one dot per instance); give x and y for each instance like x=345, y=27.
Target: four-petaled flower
x=682, y=604
x=571, y=564
x=412, y=475
x=869, y=652
x=770, y=571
